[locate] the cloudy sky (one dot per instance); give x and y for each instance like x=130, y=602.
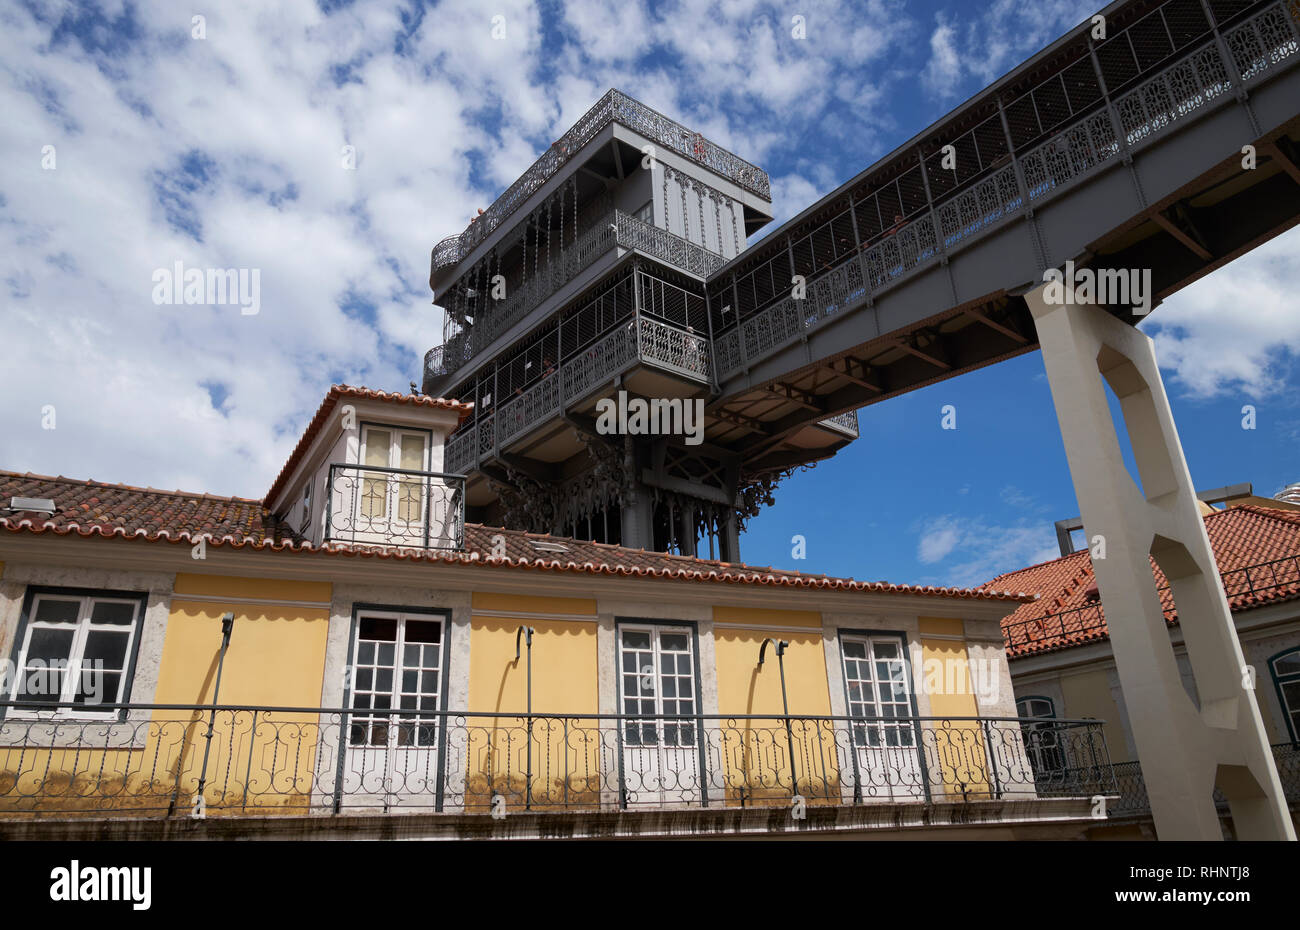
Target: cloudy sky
x=328, y=145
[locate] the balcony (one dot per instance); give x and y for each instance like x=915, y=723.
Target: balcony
x=614, y=229
x=1133, y=801
x=614, y=107
x=258, y=761
x=640, y=339
x=373, y=505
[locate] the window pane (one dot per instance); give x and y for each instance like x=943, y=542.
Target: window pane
x=423, y=631
x=49, y=610
x=98, y=688
x=108, y=649
x=413, y=452
x=114, y=612
x=633, y=639
x=49, y=645
x=1288, y=664
x=886, y=650
x=673, y=641
x=1291, y=691
x=381, y=629
x=378, y=442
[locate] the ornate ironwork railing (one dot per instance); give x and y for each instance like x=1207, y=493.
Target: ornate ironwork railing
x=1134, y=802
x=666, y=246
x=846, y=423
x=615, y=228
x=1246, y=583
x=382, y=506
x=1079, y=141
x=641, y=338
x=166, y=759
x=614, y=107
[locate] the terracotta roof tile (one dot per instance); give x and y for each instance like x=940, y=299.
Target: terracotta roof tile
x=92, y=508
x=1258, y=554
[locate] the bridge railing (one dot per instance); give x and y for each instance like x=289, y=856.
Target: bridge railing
x=1161, y=69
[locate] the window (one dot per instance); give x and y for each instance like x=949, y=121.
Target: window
x=396, y=666
x=875, y=677
x=647, y=213
x=1286, y=677
x=1042, y=740
x=1036, y=707
x=657, y=679
x=75, y=647
x=387, y=498
x=305, y=520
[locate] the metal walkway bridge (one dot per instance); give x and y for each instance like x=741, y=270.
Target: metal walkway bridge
x=1126, y=152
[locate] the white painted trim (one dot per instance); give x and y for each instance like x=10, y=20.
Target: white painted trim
x=259, y=601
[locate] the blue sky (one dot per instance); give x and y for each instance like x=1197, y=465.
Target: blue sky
x=227, y=151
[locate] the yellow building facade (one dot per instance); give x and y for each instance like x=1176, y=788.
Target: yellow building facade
x=255, y=667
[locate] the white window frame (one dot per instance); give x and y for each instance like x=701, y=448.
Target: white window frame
x=394, y=715
x=893, y=736
x=76, y=654
x=392, y=482
x=655, y=630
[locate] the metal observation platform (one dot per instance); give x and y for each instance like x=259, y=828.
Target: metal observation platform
x=619, y=263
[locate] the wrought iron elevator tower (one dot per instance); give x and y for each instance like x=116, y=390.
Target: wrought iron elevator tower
x=583, y=282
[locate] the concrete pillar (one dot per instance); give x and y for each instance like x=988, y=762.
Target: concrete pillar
x=1184, y=750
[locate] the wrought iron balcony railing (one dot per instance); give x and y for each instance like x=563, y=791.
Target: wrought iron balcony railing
x=1134, y=802
x=616, y=228
x=639, y=339
x=245, y=760
x=614, y=107
x=1045, y=142
x=382, y=506
x=846, y=423
x=1063, y=627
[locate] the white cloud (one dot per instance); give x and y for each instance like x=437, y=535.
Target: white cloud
x=1236, y=330
x=970, y=551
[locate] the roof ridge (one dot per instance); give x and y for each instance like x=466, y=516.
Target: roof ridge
x=95, y=483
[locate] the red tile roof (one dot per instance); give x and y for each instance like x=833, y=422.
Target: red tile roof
x=1258, y=554
x=331, y=400
x=92, y=508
